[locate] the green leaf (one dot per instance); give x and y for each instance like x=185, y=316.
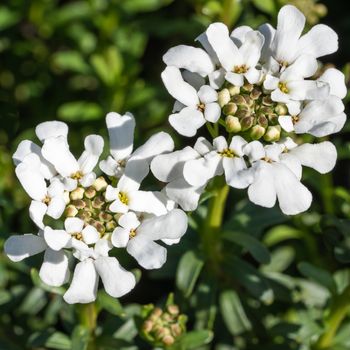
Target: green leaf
x=320, y=276
x=7, y=18
x=194, y=339
x=110, y=304
x=80, y=338
x=267, y=6
x=281, y=233
x=255, y=248
x=51, y=340
x=233, y=313
x=134, y=6
x=39, y=283
x=188, y=272
x=281, y=258
x=70, y=60
x=79, y=111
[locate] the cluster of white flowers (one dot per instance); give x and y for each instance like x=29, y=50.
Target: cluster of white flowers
x=95, y=213
x=265, y=88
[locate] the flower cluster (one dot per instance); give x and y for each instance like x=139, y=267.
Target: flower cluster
x=265, y=88
x=80, y=215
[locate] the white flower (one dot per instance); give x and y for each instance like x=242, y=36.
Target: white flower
x=290, y=85
x=127, y=196
x=239, y=58
x=276, y=177
x=285, y=44
x=54, y=270
x=220, y=158
x=48, y=200
x=199, y=106
x=56, y=151
x=168, y=168
x=95, y=264
x=139, y=238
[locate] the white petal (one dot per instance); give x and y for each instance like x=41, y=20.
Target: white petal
x=110, y=167
x=56, y=207
x=90, y=235
x=56, y=239
x=73, y=225
x=121, y=134
x=237, y=143
x=187, y=57
x=24, y=148
x=185, y=195
x=280, y=96
x=293, y=163
x=269, y=33
x=187, y=122
x=56, y=151
x=93, y=148
x=212, y=112
x=118, y=207
x=294, y=107
x=321, y=156
x=178, y=88
x=336, y=81
x=329, y=127
x=120, y=237
x=308, y=90
x=321, y=40
x=220, y=143
x=224, y=47
x=54, y=270
x=207, y=94
x=286, y=123
x=88, y=179
x=254, y=150
x=30, y=177
x=103, y=246
x=303, y=67
x=217, y=78
x=271, y=82
x=293, y=196
x=203, y=39
x=238, y=35
x=203, y=146
x=19, y=247
x=129, y=221
x=135, y=171
x=168, y=167
x=83, y=288
x=251, y=48
x=253, y=75
x=146, y=201
x=116, y=280
x=274, y=151
x=51, y=129
x=290, y=24
x=37, y=210
x=262, y=190
x=236, y=173
x=148, y=254
x=234, y=78
x=111, y=193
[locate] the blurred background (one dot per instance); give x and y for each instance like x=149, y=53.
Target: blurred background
x=75, y=61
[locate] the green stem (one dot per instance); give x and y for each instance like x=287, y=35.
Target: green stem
x=212, y=224
x=88, y=318
x=338, y=312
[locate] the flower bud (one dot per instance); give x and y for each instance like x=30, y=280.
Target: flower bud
x=110, y=225
x=281, y=109
x=255, y=94
x=238, y=100
x=168, y=340
x=247, y=87
x=320, y=9
x=230, y=108
x=234, y=90
x=90, y=192
x=273, y=118
x=78, y=193
x=173, y=310
x=105, y=217
x=262, y=121
x=273, y=133
x=242, y=113
x=71, y=210
x=223, y=97
x=79, y=204
x=232, y=124
x=247, y=123
x=85, y=215
x=257, y=132
x=176, y=329
x=100, y=184
x=267, y=101
x=249, y=101
x=98, y=202
x=147, y=326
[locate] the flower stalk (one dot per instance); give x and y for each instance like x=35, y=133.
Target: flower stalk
x=87, y=314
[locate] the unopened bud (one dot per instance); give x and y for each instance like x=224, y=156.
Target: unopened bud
x=234, y=90
x=247, y=123
x=100, y=184
x=168, y=340
x=230, y=108
x=85, y=215
x=247, y=87
x=78, y=193
x=273, y=118
x=173, y=310
x=223, y=97
x=98, y=202
x=105, y=217
x=257, y=132
x=90, y=192
x=239, y=100
x=79, y=204
x=71, y=210
x=273, y=133
x=255, y=94
x=267, y=101
x=265, y=110
x=263, y=121
x=320, y=9
x=147, y=326
x=232, y=124
x=249, y=101
x=176, y=329
x=110, y=225
x=281, y=109
x=242, y=113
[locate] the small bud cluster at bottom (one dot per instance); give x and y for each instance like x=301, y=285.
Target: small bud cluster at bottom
x=162, y=327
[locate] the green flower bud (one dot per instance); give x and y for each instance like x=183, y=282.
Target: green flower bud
x=273, y=133
x=100, y=184
x=242, y=113
x=238, y=100
x=90, y=192
x=262, y=121
x=168, y=340
x=98, y=202
x=223, y=97
x=234, y=90
x=281, y=109
x=255, y=94
x=105, y=217
x=320, y=9
x=79, y=204
x=173, y=310
x=273, y=118
x=247, y=123
x=267, y=101
x=247, y=87
x=78, y=193
x=232, y=124
x=176, y=329
x=147, y=326
x=249, y=101
x=257, y=132
x=230, y=108
x=71, y=210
